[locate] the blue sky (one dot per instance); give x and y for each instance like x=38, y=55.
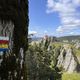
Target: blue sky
x=52, y=17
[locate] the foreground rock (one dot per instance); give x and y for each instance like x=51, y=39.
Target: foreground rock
x=67, y=60
x=77, y=45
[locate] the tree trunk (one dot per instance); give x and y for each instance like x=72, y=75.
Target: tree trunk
x=20, y=34
x=16, y=11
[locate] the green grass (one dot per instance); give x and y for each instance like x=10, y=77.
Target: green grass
x=57, y=44
x=77, y=51
x=73, y=76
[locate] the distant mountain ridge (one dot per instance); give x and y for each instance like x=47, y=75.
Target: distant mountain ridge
x=36, y=38
x=69, y=38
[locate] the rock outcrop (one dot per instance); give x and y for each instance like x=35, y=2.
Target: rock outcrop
x=77, y=45
x=67, y=60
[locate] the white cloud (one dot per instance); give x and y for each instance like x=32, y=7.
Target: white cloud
x=59, y=29
x=50, y=5
x=67, y=9
x=32, y=32
x=71, y=33
x=76, y=2
x=74, y=33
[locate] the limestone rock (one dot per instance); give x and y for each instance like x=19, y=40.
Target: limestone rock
x=77, y=45
x=67, y=60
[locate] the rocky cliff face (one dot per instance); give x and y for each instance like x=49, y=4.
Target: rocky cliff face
x=67, y=60
x=77, y=45
x=65, y=56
